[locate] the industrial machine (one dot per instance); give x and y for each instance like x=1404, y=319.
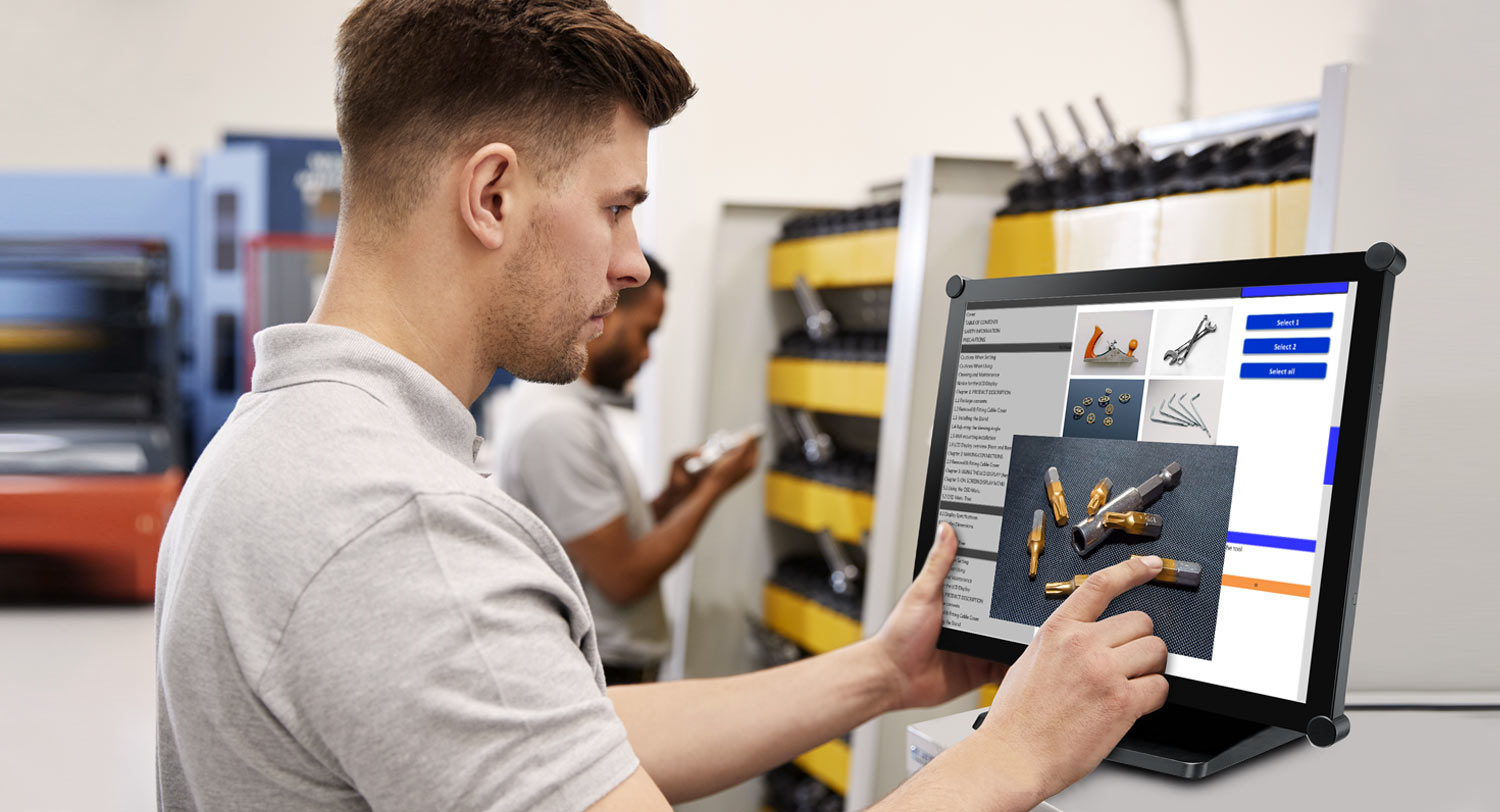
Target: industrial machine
x=128, y=302
x=265, y=212
x=90, y=451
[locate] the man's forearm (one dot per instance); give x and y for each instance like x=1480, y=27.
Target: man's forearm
x=657, y=550
x=662, y=505
x=667, y=501
x=697, y=737
x=979, y=774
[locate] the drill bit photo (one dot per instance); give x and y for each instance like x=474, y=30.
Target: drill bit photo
x=1165, y=499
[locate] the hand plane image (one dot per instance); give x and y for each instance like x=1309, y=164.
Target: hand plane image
x=1112, y=355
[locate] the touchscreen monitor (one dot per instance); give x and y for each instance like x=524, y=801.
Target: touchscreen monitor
x=1199, y=413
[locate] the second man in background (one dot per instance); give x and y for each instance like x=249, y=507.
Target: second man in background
x=559, y=457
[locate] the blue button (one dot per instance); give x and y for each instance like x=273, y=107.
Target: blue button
x=1276, y=346
x=1316, y=371
x=1289, y=321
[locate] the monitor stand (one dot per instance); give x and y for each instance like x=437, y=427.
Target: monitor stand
x=1190, y=743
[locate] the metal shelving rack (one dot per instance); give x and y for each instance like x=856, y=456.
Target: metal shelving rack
x=946, y=207
x=826, y=386
x=946, y=227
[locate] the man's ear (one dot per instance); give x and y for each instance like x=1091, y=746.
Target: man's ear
x=487, y=189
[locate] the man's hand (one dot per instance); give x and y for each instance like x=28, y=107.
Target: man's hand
x=1081, y=684
x=921, y=674
x=736, y=464
x=680, y=483
x=1063, y=706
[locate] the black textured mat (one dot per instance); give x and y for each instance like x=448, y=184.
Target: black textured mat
x=1195, y=520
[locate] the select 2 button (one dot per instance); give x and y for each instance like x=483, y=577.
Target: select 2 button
x=1308, y=371
x=1278, y=346
x=1289, y=321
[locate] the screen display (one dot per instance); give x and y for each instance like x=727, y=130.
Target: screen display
x=1214, y=416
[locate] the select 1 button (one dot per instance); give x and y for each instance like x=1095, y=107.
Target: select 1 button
x=1310, y=371
x=1289, y=321
x=1276, y=346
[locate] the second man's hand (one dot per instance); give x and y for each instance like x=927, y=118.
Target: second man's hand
x=732, y=468
x=718, y=479
x=680, y=483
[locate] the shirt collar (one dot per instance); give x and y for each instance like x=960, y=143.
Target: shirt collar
x=291, y=354
x=584, y=391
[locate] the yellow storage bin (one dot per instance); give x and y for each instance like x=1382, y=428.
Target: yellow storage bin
x=1022, y=245
x=806, y=622
x=837, y=260
x=1119, y=235
x=1291, y=218
x=1218, y=225
x=841, y=387
x=828, y=763
x=814, y=506
x=788, y=259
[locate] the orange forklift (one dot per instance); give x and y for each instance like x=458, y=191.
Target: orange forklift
x=90, y=438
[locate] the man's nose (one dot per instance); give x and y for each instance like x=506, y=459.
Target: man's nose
x=629, y=270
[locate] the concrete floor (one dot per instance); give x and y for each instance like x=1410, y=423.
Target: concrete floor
x=77, y=710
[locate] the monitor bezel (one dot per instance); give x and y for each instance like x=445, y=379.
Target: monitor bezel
x=1344, y=537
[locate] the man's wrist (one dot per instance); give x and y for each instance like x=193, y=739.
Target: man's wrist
x=1017, y=772
x=984, y=772
x=1011, y=775
x=715, y=487
x=886, y=677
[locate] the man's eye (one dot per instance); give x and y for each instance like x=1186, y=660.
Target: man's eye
x=615, y=210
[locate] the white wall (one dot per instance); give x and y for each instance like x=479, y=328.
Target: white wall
x=103, y=84
x=800, y=100
x=817, y=101
x=1419, y=171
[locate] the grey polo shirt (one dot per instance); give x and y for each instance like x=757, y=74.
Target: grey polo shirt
x=556, y=454
x=350, y=617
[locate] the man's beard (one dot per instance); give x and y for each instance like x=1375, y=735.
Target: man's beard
x=611, y=367
x=532, y=344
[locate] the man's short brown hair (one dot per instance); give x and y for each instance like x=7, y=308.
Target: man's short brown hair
x=423, y=81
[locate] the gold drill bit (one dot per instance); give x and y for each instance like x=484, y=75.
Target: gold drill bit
x=1182, y=573
x=1135, y=523
x=1060, y=588
x=1055, y=495
x=1185, y=574
x=1036, y=541
x=1099, y=495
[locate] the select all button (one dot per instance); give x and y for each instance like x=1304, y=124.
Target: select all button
x=1277, y=346
x=1310, y=371
x=1289, y=321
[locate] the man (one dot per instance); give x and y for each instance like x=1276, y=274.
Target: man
x=558, y=456
x=350, y=617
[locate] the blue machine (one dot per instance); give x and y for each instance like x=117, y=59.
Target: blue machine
x=93, y=271
x=123, y=206
x=249, y=241
x=266, y=209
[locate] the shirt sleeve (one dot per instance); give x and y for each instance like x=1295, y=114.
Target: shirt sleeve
x=439, y=662
x=563, y=464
